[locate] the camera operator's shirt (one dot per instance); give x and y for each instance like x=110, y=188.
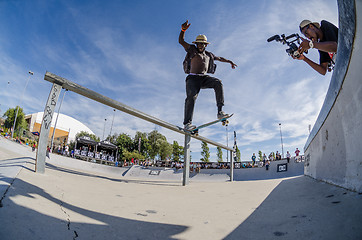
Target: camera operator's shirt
x=330, y=34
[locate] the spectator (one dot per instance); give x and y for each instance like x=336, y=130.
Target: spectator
x=288, y=156
x=264, y=159
x=195, y=167
x=47, y=152
x=271, y=157
x=253, y=158
x=267, y=165
x=297, y=152
x=198, y=167
x=66, y=151
x=278, y=156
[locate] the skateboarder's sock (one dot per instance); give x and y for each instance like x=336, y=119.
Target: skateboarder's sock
x=219, y=109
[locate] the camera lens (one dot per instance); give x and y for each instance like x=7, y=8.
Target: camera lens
x=296, y=54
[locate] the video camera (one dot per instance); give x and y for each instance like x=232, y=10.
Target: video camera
x=293, y=48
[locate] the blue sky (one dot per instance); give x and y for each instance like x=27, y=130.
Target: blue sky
x=129, y=51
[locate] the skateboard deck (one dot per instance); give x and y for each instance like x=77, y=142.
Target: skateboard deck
x=195, y=131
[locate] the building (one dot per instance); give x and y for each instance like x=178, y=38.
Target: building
x=66, y=128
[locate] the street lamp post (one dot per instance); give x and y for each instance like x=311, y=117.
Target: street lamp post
x=281, y=139
x=22, y=96
x=114, y=113
x=104, y=128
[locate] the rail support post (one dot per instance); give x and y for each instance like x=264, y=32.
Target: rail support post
x=186, y=172
x=231, y=166
x=45, y=127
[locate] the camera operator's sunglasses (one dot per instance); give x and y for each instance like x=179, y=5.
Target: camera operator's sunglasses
x=302, y=30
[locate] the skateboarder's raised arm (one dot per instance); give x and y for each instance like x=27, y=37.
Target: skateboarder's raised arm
x=221, y=59
x=181, y=38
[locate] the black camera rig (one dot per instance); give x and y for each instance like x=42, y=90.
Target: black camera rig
x=293, y=48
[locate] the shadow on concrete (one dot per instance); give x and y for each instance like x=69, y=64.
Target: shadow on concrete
x=31, y=162
x=139, y=181
x=12, y=162
x=18, y=222
x=303, y=208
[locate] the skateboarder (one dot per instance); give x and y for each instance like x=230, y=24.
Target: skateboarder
x=198, y=62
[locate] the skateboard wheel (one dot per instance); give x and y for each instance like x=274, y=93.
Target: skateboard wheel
x=227, y=122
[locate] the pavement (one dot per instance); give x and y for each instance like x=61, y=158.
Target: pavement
x=68, y=202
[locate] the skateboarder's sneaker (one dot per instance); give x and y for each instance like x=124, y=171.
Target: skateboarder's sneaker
x=189, y=127
x=221, y=115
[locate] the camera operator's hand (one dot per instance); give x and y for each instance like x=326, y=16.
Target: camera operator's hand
x=304, y=45
x=185, y=25
x=301, y=57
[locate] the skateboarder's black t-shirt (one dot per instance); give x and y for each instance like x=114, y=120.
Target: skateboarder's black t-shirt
x=330, y=34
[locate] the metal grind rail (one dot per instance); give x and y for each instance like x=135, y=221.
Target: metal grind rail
x=59, y=83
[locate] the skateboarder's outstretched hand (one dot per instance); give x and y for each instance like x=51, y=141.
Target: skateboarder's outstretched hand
x=185, y=25
x=233, y=65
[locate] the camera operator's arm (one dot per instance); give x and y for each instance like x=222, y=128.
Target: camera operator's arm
x=322, y=46
x=181, y=38
x=326, y=46
x=321, y=68
x=221, y=59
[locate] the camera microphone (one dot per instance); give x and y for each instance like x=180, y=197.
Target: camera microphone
x=292, y=35
x=275, y=37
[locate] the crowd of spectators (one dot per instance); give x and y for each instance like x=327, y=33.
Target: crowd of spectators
x=86, y=152
x=265, y=161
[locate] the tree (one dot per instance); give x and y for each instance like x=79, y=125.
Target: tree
x=112, y=138
x=238, y=154
x=165, y=149
x=260, y=156
x=153, y=138
x=141, y=143
x=205, y=153
x=10, y=117
x=177, y=151
x=135, y=155
x=124, y=144
x=219, y=154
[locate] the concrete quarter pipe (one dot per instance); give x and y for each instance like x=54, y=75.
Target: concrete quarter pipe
x=334, y=148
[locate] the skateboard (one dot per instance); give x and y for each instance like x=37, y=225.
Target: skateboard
x=195, y=131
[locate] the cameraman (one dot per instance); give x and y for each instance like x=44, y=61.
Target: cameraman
x=324, y=37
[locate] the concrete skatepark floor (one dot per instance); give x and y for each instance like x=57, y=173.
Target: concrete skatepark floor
x=66, y=203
